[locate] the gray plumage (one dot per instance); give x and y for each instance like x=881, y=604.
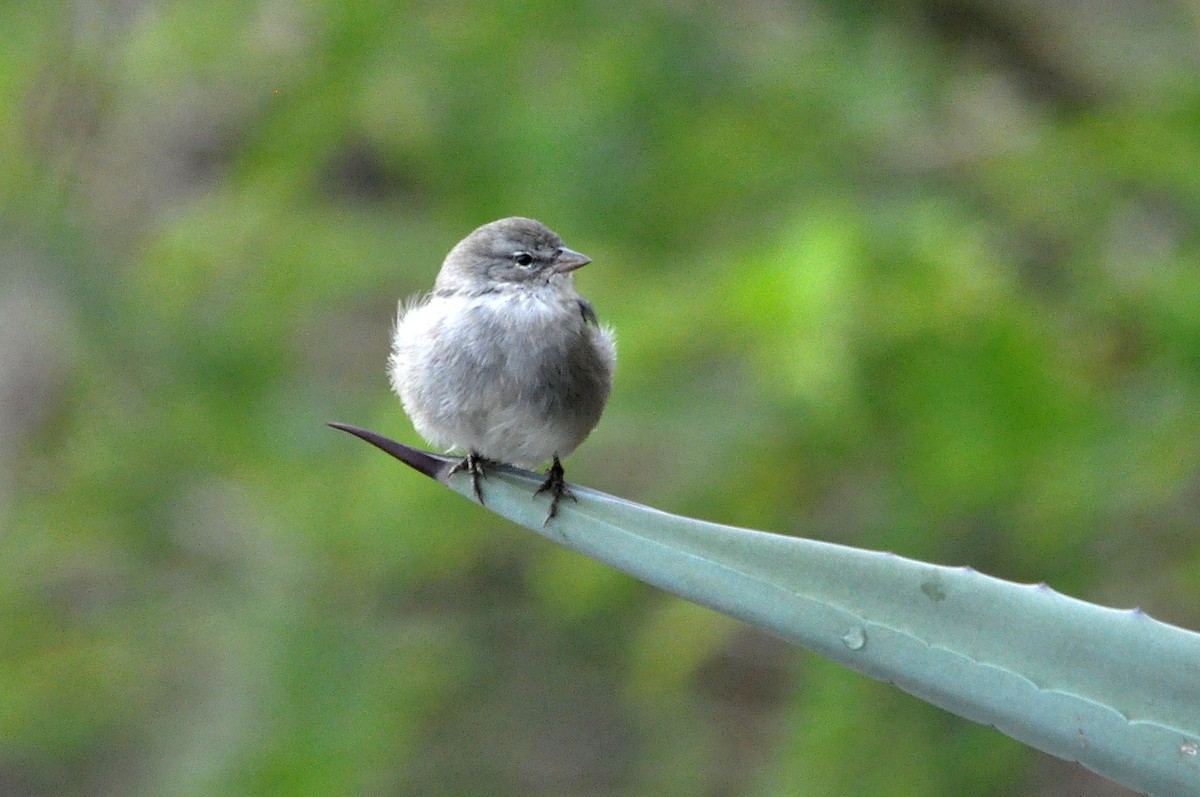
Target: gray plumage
x=504, y=360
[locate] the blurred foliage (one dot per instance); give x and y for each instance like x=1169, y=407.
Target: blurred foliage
x=924, y=272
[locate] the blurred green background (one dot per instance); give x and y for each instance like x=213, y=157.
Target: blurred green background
x=919, y=276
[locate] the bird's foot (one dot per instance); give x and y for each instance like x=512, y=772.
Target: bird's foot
x=473, y=464
x=557, y=487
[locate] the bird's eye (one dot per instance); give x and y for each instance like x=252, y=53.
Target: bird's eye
x=523, y=259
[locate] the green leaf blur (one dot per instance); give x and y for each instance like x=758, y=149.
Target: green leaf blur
x=925, y=273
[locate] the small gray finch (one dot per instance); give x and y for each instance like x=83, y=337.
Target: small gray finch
x=504, y=360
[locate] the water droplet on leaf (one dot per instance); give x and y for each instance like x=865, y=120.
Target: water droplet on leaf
x=855, y=638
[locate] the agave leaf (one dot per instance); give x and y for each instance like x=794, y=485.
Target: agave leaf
x=1115, y=690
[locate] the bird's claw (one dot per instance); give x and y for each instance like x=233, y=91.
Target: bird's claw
x=554, y=484
x=557, y=487
x=472, y=463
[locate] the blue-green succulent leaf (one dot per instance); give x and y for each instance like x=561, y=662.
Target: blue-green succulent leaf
x=1115, y=690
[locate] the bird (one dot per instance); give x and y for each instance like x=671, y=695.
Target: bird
x=504, y=361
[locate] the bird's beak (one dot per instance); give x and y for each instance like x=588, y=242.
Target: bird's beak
x=569, y=260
